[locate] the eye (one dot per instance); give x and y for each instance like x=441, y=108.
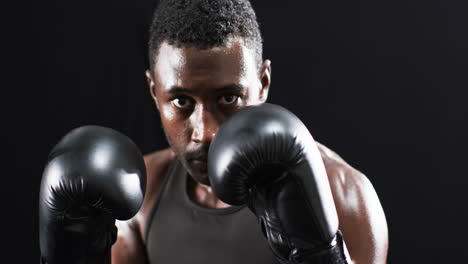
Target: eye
x=228, y=99
x=182, y=102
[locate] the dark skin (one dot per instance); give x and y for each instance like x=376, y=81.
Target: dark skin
x=195, y=91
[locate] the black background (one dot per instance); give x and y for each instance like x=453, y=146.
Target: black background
x=383, y=83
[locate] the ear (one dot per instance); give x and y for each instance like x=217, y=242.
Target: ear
x=152, y=87
x=265, y=80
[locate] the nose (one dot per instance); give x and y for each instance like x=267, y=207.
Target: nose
x=205, y=125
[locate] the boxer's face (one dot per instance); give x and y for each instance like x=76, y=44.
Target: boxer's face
x=196, y=90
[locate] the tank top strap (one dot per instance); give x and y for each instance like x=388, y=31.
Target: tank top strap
x=167, y=178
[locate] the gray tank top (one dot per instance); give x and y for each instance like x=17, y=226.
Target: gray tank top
x=181, y=231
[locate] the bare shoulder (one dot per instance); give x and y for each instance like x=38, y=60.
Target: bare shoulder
x=345, y=180
x=348, y=184
x=361, y=216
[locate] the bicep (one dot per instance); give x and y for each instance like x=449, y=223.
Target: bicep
x=362, y=220
x=129, y=247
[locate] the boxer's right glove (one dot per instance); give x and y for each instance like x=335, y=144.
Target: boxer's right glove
x=93, y=176
x=265, y=157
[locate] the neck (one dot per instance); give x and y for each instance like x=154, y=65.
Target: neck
x=203, y=195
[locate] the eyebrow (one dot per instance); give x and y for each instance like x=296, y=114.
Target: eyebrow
x=233, y=87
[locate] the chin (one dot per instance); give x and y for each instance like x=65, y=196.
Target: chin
x=197, y=173
x=199, y=176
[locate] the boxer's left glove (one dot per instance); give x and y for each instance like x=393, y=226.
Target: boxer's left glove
x=265, y=157
x=93, y=176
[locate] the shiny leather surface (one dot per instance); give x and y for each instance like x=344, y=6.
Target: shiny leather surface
x=265, y=156
x=93, y=176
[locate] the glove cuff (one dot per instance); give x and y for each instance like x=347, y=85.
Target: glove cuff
x=334, y=254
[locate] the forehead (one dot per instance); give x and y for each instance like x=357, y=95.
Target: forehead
x=188, y=67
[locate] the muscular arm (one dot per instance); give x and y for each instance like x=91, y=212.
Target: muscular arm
x=129, y=247
x=361, y=216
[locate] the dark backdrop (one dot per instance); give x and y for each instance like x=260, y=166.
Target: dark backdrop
x=383, y=83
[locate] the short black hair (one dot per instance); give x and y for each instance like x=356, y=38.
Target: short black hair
x=203, y=24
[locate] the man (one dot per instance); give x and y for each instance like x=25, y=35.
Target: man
x=205, y=66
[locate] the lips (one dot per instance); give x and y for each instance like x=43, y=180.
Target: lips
x=197, y=158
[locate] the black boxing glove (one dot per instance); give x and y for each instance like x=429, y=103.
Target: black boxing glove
x=265, y=157
x=93, y=176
